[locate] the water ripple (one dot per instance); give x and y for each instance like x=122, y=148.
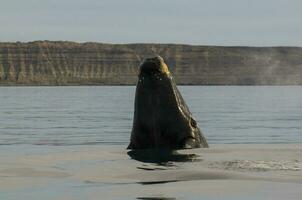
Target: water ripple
x=103, y=115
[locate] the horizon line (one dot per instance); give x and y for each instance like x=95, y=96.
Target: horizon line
x=153, y=43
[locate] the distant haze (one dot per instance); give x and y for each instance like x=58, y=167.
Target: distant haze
x=199, y=22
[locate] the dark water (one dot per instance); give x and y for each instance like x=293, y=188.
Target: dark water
x=103, y=115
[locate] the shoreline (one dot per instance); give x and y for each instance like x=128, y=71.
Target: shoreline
x=133, y=85
x=38, y=63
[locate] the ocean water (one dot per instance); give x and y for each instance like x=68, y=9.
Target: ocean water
x=102, y=115
x=70, y=143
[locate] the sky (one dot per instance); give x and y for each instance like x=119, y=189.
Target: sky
x=196, y=22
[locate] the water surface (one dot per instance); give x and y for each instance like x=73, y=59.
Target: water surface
x=103, y=114
x=69, y=143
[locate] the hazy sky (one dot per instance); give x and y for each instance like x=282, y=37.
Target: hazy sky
x=200, y=22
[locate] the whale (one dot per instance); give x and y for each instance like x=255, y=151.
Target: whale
x=162, y=119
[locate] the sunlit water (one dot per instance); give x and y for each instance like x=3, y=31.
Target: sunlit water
x=103, y=115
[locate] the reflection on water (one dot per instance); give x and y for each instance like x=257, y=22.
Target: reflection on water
x=155, y=198
x=157, y=182
x=161, y=156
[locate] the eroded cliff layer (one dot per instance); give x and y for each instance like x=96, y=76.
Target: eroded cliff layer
x=70, y=63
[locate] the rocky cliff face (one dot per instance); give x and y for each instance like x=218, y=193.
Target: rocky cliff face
x=69, y=63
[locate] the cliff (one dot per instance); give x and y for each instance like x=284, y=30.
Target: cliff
x=70, y=63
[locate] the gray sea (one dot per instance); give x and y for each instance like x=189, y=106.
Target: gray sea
x=102, y=115
x=70, y=143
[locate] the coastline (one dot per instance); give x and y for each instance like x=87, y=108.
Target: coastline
x=71, y=63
